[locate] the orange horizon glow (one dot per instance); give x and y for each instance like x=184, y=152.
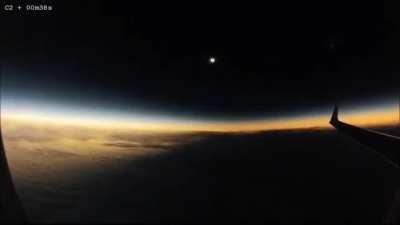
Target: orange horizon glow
x=31, y=132
x=386, y=116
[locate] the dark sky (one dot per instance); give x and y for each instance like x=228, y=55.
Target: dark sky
x=272, y=58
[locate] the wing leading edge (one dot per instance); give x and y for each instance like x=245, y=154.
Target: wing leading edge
x=385, y=144
x=11, y=208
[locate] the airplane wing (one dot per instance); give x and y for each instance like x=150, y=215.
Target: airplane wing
x=11, y=208
x=385, y=144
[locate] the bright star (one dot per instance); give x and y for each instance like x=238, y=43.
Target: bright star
x=212, y=60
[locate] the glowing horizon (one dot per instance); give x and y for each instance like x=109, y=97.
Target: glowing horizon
x=367, y=116
x=83, y=133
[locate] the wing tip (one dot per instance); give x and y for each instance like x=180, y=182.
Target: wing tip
x=334, y=117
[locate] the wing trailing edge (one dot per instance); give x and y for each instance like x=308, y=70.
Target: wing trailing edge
x=385, y=144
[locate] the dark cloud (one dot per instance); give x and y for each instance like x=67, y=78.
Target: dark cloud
x=154, y=144
x=252, y=178
x=123, y=145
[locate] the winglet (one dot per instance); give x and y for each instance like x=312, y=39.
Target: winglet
x=334, y=117
x=386, y=145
